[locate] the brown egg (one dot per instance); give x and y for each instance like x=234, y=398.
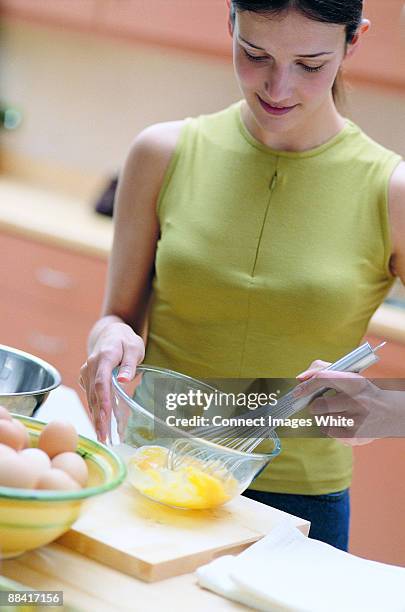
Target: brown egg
x=58, y=437
x=7, y=451
x=55, y=480
x=11, y=434
x=24, y=432
x=38, y=457
x=17, y=473
x=4, y=414
x=74, y=465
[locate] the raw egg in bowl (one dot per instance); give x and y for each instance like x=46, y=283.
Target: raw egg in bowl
x=211, y=475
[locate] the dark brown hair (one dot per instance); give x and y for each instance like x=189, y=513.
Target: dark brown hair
x=339, y=12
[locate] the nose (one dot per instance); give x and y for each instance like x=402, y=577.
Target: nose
x=278, y=85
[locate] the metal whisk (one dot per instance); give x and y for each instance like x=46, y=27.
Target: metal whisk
x=244, y=439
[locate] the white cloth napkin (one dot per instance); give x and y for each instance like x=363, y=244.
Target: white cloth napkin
x=288, y=572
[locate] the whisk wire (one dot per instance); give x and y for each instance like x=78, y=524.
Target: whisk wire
x=246, y=438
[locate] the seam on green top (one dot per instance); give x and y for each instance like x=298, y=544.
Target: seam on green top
x=392, y=163
x=252, y=274
x=172, y=164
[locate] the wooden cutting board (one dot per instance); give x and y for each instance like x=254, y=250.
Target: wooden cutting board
x=147, y=540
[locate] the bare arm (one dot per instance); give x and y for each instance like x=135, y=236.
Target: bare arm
x=136, y=228
x=115, y=339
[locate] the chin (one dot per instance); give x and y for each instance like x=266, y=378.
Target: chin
x=275, y=124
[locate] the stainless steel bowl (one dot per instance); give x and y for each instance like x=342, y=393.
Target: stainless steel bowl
x=25, y=380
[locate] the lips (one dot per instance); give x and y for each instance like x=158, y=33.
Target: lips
x=275, y=110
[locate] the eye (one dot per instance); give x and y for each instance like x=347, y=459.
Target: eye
x=254, y=58
x=311, y=68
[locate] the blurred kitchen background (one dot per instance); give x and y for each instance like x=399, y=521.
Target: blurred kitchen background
x=78, y=80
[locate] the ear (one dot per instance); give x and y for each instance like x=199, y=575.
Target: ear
x=230, y=22
x=352, y=46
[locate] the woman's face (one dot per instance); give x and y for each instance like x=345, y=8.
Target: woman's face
x=286, y=66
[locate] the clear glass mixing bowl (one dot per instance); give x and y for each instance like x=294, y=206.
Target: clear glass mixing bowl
x=138, y=421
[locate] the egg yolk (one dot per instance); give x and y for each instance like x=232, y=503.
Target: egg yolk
x=189, y=486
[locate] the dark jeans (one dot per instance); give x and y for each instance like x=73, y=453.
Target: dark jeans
x=329, y=514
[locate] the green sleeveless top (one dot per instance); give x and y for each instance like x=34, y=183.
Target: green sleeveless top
x=268, y=260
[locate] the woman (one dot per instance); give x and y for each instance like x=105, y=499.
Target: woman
x=267, y=235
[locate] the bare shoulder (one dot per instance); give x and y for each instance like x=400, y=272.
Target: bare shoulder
x=155, y=145
x=397, y=218
x=160, y=137
x=144, y=170
x=397, y=184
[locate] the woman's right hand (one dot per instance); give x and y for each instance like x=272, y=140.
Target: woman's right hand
x=116, y=345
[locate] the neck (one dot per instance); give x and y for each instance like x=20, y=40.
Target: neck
x=318, y=128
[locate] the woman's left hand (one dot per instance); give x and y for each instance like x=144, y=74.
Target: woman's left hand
x=356, y=398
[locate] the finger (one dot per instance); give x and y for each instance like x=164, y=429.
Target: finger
x=88, y=373
x=87, y=408
x=93, y=408
x=348, y=435
x=349, y=412
x=83, y=377
x=338, y=405
x=138, y=379
x=99, y=426
x=103, y=429
x=84, y=385
x=346, y=441
x=122, y=417
x=315, y=366
x=319, y=406
x=308, y=374
x=81, y=383
x=102, y=385
x=130, y=358
x=346, y=382
x=355, y=441
x=340, y=433
x=86, y=403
